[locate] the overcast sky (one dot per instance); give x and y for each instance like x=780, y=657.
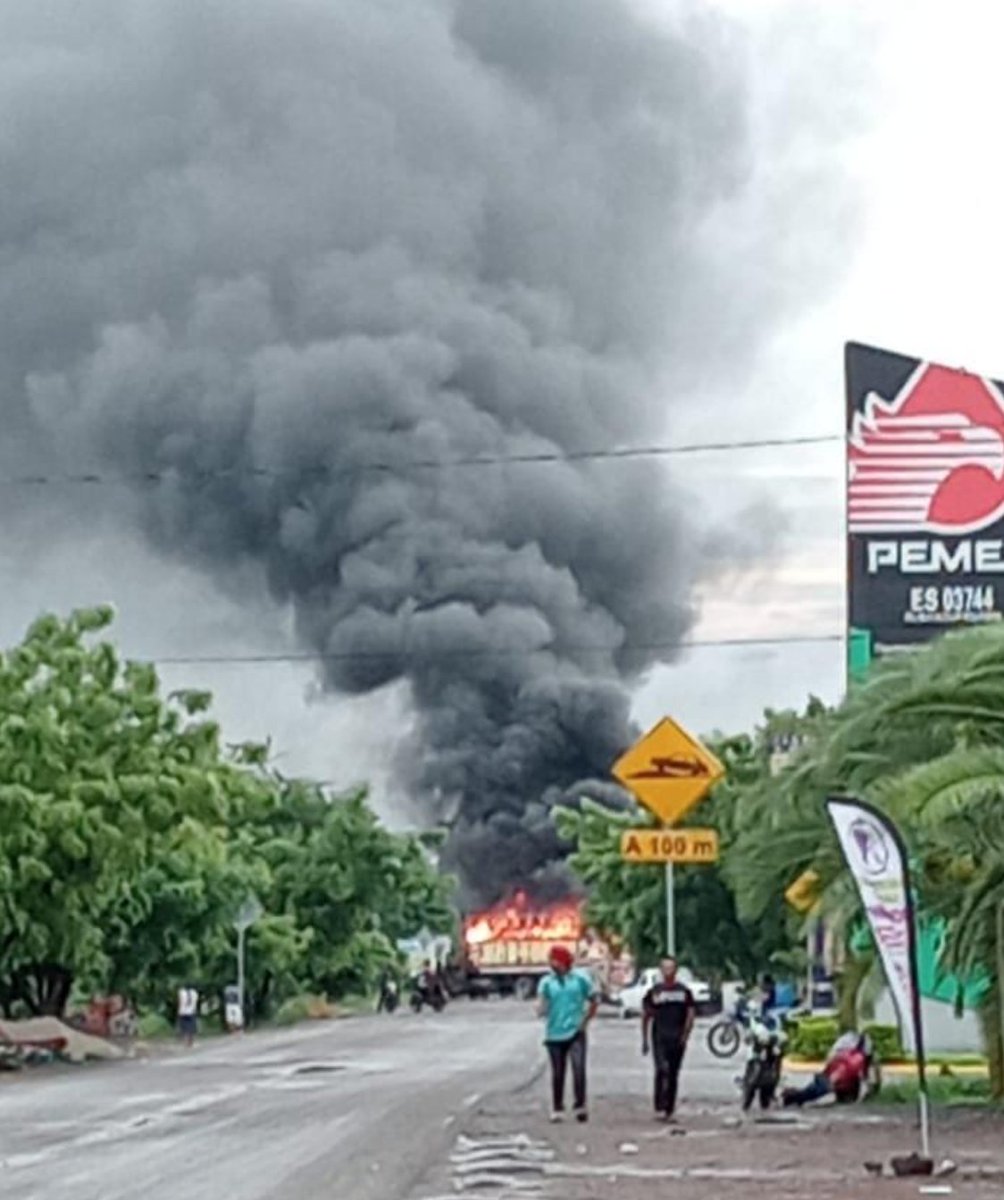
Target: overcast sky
x=919, y=280
x=919, y=252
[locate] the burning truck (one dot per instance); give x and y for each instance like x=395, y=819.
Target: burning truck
x=506, y=948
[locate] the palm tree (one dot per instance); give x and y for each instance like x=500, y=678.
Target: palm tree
x=958, y=829
x=924, y=739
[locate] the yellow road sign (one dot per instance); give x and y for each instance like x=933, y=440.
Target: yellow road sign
x=803, y=894
x=669, y=845
x=668, y=771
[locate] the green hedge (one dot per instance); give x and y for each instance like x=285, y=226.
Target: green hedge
x=888, y=1044
x=812, y=1037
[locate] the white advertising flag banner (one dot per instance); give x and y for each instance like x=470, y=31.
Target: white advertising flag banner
x=875, y=859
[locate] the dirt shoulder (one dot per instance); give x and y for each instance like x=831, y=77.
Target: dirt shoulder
x=505, y=1145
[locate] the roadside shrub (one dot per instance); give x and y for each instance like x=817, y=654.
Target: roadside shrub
x=304, y=1008
x=812, y=1037
x=888, y=1043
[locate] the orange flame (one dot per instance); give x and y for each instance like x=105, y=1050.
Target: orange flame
x=518, y=920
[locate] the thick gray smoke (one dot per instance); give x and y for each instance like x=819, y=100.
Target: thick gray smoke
x=306, y=259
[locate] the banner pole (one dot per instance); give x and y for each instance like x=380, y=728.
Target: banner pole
x=923, y=1099
x=862, y=830
x=1000, y=975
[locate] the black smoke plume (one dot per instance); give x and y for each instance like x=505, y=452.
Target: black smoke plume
x=324, y=268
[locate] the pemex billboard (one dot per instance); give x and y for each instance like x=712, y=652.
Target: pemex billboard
x=925, y=497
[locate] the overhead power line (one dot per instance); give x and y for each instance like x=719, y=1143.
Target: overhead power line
x=529, y=458
x=487, y=652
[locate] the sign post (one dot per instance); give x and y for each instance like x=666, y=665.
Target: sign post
x=803, y=896
x=249, y=912
x=1000, y=968
x=669, y=772
x=670, y=912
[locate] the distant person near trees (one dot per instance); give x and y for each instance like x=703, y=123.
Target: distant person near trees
x=188, y=1013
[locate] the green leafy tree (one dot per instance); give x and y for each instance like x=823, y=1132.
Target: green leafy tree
x=129, y=837
x=630, y=900
x=356, y=886
x=97, y=770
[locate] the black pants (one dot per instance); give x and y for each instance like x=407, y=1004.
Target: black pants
x=561, y=1054
x=668, y=1058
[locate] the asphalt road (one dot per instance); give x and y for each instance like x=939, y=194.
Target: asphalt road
x=350, y=1109
x=356, y=1109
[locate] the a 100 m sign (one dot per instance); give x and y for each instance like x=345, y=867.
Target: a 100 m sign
x=669, y=845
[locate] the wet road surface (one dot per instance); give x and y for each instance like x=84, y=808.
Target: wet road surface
x=354, y=1109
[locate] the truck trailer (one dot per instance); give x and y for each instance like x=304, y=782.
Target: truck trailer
x=506, y=948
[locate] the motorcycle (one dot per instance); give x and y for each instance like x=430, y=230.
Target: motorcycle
x=726, y=1036
x=766, y=1040
x=422, y=994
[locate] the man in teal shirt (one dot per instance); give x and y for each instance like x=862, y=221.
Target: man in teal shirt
x=568, y=1002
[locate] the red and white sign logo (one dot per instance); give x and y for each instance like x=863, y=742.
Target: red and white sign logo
x=931, y=459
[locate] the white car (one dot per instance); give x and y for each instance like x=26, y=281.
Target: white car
x=631, y=998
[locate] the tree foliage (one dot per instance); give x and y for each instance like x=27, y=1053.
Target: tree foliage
x=631, y=900
x=129, y=838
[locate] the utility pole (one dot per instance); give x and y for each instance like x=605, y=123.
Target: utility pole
x=249, y=912
x=241, y=930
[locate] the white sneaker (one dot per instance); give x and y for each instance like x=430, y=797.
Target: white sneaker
x=556, y=1116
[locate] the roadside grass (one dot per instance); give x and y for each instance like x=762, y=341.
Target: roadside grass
x=948, y=1091
x=155, y=1027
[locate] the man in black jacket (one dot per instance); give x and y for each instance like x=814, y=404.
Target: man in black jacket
x=667, y=1020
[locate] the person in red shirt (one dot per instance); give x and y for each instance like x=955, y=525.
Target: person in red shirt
x=844, y=1076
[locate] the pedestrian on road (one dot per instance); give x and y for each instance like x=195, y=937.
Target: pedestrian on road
x=567, y=1001
x=188, y=1013
x=667, y=1020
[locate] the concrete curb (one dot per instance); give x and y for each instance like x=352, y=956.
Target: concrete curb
x=906, y=1069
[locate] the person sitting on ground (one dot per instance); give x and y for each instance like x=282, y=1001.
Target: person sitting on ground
x=845, y=1075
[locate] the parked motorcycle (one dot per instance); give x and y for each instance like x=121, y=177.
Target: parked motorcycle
x=766, y=1040
x=726, y=1035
